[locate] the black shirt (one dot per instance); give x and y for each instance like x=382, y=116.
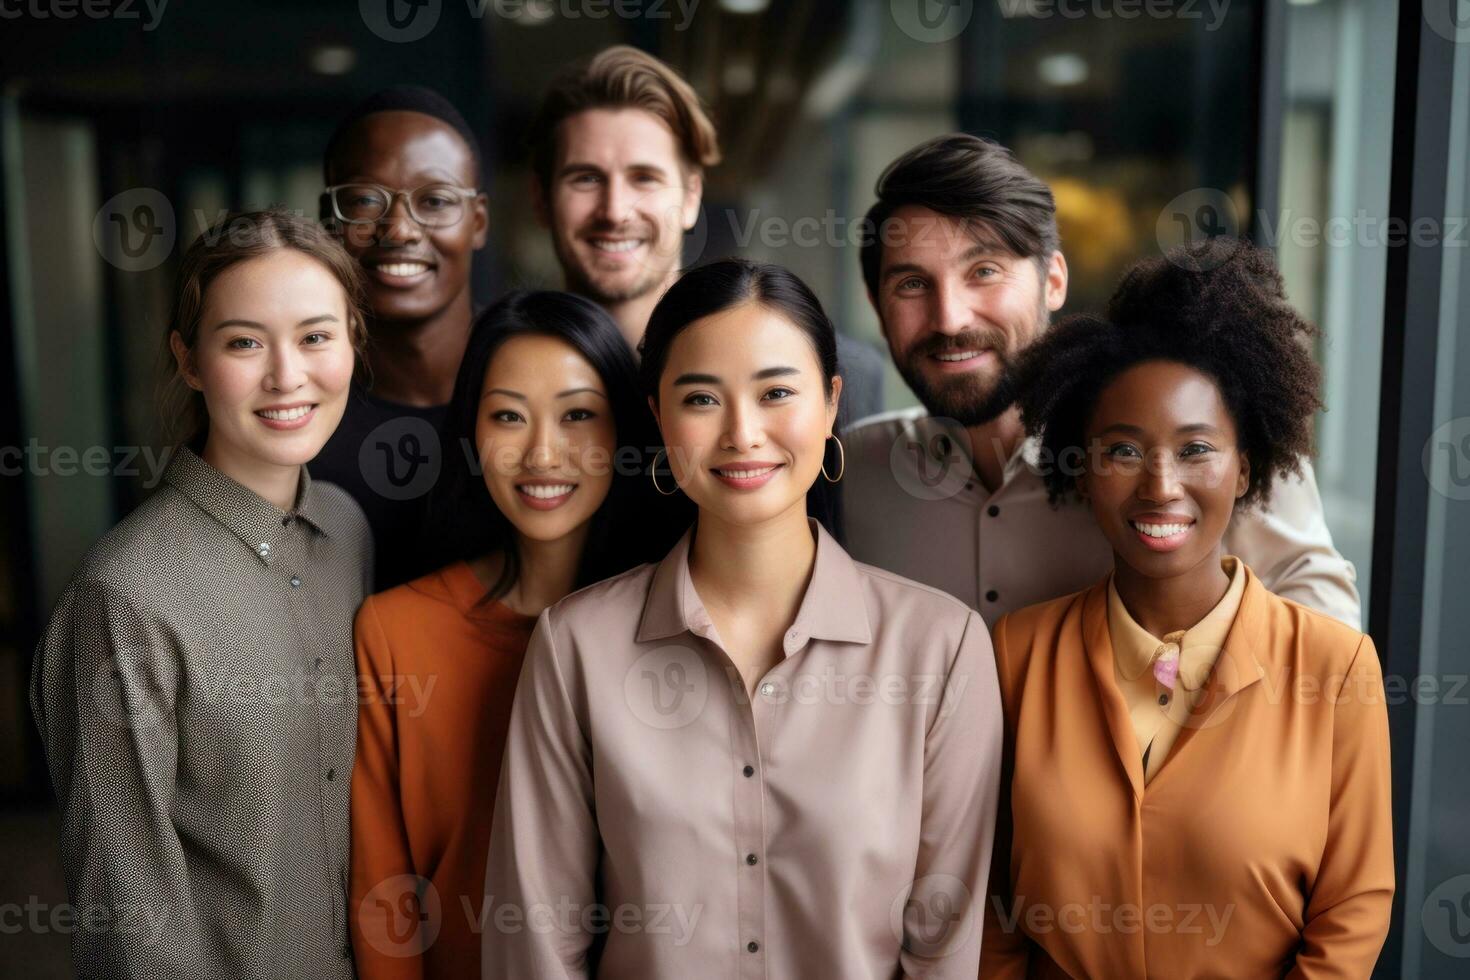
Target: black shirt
x=388, y=457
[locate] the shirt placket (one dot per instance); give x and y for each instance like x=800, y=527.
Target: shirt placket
x=749, y=821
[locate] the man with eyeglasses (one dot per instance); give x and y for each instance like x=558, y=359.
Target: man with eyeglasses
x=403, y=175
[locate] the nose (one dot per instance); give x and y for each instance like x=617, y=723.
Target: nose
x=1160, y=481
x=616, y=203
x=743, y=430
x=954, y=309
x=545, y=450
x=397, y=227
x=286, y=371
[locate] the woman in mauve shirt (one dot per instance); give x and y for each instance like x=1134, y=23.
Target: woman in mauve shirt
x=757, y=758
x=544, y=491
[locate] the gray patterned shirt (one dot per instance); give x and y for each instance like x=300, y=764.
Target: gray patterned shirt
x=196, y=695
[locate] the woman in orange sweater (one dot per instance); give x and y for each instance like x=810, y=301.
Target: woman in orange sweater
x=545, y=484
x=1196, y=772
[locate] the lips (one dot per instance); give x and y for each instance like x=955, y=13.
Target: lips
x=545, y=495
x=746, y=476
x=399, y=273
x=616, y=246
x=283, y=417
x=1163, y=532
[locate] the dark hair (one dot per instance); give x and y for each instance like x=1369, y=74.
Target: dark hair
x=1217, y=306
x=727, y=283
x=623, y=77
x=238, y=237
x=969, y=178
x=403, y=98
x=633, y=525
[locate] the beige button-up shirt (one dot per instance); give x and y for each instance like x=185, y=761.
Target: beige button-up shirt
x=913, y=504
x=653, y=821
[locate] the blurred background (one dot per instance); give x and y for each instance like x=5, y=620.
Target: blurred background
x=1331, y=130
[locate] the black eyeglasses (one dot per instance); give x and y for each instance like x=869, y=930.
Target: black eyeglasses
x=432, y=205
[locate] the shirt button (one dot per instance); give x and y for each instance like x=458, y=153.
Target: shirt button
x=993, y=510
x=749, y=771
x=768, y=689
x=942, y=446
x=753, y=946
x=286, y=521
x=264, y=549
x=295, y=582
x=1163, y=699
x=750, y=859
x=331, y=775
x=992, y=595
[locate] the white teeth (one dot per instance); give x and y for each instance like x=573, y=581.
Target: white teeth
x=403, y=268
x=621, y=246
x=285, y=415
x=959, y=356
x=745, y=474
x=546, y=492
x=1161, y=530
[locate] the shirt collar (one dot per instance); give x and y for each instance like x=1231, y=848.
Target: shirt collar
x=1134, y=647
x=832, y=608
x=249, y=516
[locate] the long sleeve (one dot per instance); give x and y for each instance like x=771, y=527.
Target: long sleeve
x=103, y=690
x=962, y=754
x=544, y=841
x=1347, y=915
x=384, y=907
x=1286, y=542
x=1006, y=952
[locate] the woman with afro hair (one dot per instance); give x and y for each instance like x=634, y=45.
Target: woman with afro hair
x=1196, y=776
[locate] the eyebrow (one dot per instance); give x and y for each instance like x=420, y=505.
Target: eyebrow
x=711, y=379
x=560, y=394
x=1134, y=430
x=308, y=322
x=575, y=166
x=969, y=255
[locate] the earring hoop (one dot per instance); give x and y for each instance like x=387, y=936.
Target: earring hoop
x=653, y=472
x=842, y=461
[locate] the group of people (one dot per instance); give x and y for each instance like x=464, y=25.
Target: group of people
x=609, y=631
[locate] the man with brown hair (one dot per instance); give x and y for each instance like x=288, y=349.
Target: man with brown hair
x=963, y=264
x=619, y=148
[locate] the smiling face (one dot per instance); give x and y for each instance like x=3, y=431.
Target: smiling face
x=546, y=434
x=273, y=358
x=413, y=272
x=1164, y=468
x=957, y=312
x=745, y=414
x=618, y=203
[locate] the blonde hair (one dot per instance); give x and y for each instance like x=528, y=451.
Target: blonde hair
x=622, y=77
x=238, y=237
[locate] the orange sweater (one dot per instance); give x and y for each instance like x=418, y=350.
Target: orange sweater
x=1262, y=848
x=437, y=676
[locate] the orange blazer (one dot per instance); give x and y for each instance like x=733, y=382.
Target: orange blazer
x=1262, y=848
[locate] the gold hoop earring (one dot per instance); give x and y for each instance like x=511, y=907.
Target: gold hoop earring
x=653, y=472
x=842, y=461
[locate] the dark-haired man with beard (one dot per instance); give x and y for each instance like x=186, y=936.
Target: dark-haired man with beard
x=964, y=268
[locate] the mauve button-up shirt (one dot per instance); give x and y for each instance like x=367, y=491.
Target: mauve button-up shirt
x=654, y=821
